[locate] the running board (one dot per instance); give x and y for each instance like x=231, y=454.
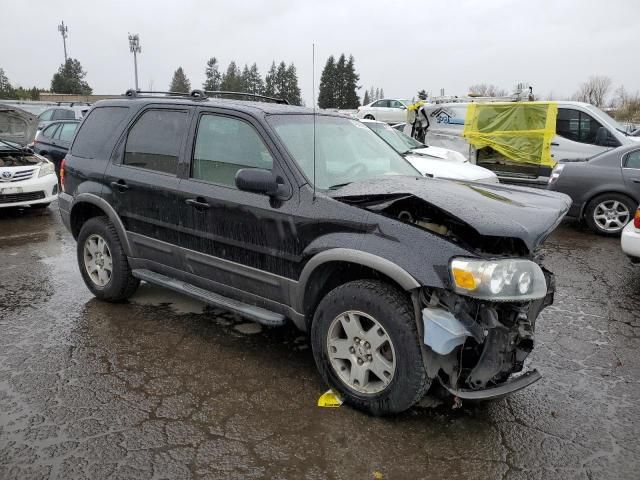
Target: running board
x=257, y=314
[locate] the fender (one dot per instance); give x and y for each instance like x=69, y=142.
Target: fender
x=382, y=265
x=110, y=212
x=601, y=189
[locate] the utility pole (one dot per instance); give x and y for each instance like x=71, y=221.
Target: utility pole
x=134, y=47
x=62, y=28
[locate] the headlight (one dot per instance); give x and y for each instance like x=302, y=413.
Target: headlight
x=46, y=169
x=498, y=280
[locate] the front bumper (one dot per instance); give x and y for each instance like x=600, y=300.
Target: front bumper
x=506, y=388
x=29, y=192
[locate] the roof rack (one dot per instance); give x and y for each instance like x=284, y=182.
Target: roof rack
x=204, y=94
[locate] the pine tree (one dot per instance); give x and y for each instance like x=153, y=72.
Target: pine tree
x=350, y=99
x=6, y=90
x=340, y=80
x=255, y=82
x=280, y=81
x=269, y=81
x=212, y=75
x=326, y=95
x=245, y=79
x=70, y=79
x=366, y=100
x=381, y=93
x=422, y=94
x=372, y=95
x=232, y=79
x=377, y=97
x=293, y=90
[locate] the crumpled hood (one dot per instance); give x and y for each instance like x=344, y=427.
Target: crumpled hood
x=491, y=209
x=17, y=125
x=445, y=168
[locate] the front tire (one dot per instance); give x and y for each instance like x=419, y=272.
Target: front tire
x=102, y=261
x=609, y=213
x=366, y=346
x=369, y=117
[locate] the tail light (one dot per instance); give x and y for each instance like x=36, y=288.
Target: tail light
x=62, y=174
x=636, y=219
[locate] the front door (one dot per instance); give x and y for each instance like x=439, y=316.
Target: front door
x=236, y=238
x=143, y=184
x=576, y=135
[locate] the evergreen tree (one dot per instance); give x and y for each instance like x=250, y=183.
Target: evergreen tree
x=280, y=81
x=244, y=79
x=326, y=95
x=350, y=83
x=377, y=97
x=232, y=79
x=180, y=83
x=269, y=81
x=6, y=90
x=381, y=93
x=212, y=75
x=340, y=80
x=422, y=94
x=70, y=79
x=35, y=94
x=293, y=90
x=366, y=100
x=255, y=82
x=372, y=95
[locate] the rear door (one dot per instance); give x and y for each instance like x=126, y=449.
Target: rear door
x=143, y=185
x=631, y=172
x=242, y=241
x=62, y=141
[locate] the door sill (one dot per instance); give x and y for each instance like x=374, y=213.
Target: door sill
x=257, y=314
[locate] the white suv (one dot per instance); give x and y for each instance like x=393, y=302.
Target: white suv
x=26, y=179
x=386, y=110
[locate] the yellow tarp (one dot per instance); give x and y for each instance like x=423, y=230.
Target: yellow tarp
x=521, y=132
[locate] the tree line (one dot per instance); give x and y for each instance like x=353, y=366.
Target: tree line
x=281, y=81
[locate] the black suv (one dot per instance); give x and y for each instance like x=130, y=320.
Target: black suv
x=278, y=214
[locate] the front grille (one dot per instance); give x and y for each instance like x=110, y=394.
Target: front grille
x=21, y=197
x=20, y=175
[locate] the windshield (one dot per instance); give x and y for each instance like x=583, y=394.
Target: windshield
x=398, y=140
x=346, y=150
x=612, y=121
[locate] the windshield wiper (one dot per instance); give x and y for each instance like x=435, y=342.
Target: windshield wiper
x=339, y=185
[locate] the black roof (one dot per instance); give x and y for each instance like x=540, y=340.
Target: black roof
x=240, y=105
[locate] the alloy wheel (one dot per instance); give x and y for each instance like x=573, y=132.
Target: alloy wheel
x=611, y=216
x=361, y=352
x=97, y=260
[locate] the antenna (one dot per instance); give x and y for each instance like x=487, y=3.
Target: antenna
x=313, y=76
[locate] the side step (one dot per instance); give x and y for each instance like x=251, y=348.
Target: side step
x=257, y=314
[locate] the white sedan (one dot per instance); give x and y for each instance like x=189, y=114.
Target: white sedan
x=631, y=239
x=387, y=110
x=433, y=162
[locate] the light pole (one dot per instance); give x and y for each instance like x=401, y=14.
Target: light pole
x=134, y=47
x=62, y=28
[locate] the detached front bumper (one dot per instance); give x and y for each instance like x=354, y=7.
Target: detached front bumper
x=510, y=386
x=29, y=192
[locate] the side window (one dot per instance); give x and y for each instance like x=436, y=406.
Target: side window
x=97, y=129
x=223, y=146
x=154, y=141
x=50, y=131
x=577, y=126
x=395, y=104
x=62, y=114
x=46, y=115
x=632, y=160
x=66, y=131
x=383, y=103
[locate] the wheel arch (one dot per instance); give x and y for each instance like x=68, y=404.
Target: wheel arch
x=88, y=205
x=605, y=191
x=331, y=268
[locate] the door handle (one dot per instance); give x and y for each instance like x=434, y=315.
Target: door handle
x=120, y=185
x=198, y=203
x=555, y=144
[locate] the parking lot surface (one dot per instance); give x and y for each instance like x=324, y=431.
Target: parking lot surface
x=165, y=387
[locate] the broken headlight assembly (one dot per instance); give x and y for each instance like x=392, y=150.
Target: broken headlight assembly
x=502, y=280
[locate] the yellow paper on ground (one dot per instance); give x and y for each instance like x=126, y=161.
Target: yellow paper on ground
x=329, y=399
x=521, y=131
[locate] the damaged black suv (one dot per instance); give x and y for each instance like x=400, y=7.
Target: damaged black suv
x=278, y=214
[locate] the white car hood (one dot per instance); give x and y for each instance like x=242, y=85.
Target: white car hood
x=439, y=168
x=441, y=153
x=17, y=125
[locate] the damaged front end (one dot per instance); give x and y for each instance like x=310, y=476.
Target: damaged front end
x=473, y=347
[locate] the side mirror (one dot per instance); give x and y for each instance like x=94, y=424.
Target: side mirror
x=605, y=139
x=258, y=180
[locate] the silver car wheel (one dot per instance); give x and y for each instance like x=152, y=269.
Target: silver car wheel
x=361, y=352
x=97, y=260
x=611, y=215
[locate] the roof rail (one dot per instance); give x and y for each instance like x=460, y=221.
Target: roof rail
x=204, y=94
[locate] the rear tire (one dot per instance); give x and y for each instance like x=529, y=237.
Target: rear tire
x=609, y=213
x=382, y=315
x=369, y=117
x=102, y=261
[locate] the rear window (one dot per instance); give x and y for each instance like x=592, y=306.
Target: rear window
x=97, y=128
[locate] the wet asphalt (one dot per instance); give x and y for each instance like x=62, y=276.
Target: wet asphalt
x=165, y=387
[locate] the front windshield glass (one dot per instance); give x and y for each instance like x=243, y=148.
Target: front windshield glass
x=346, y=150
x=609, y=118
x=398, y=140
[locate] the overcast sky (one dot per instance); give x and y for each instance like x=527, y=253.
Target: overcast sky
x=401, y=46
